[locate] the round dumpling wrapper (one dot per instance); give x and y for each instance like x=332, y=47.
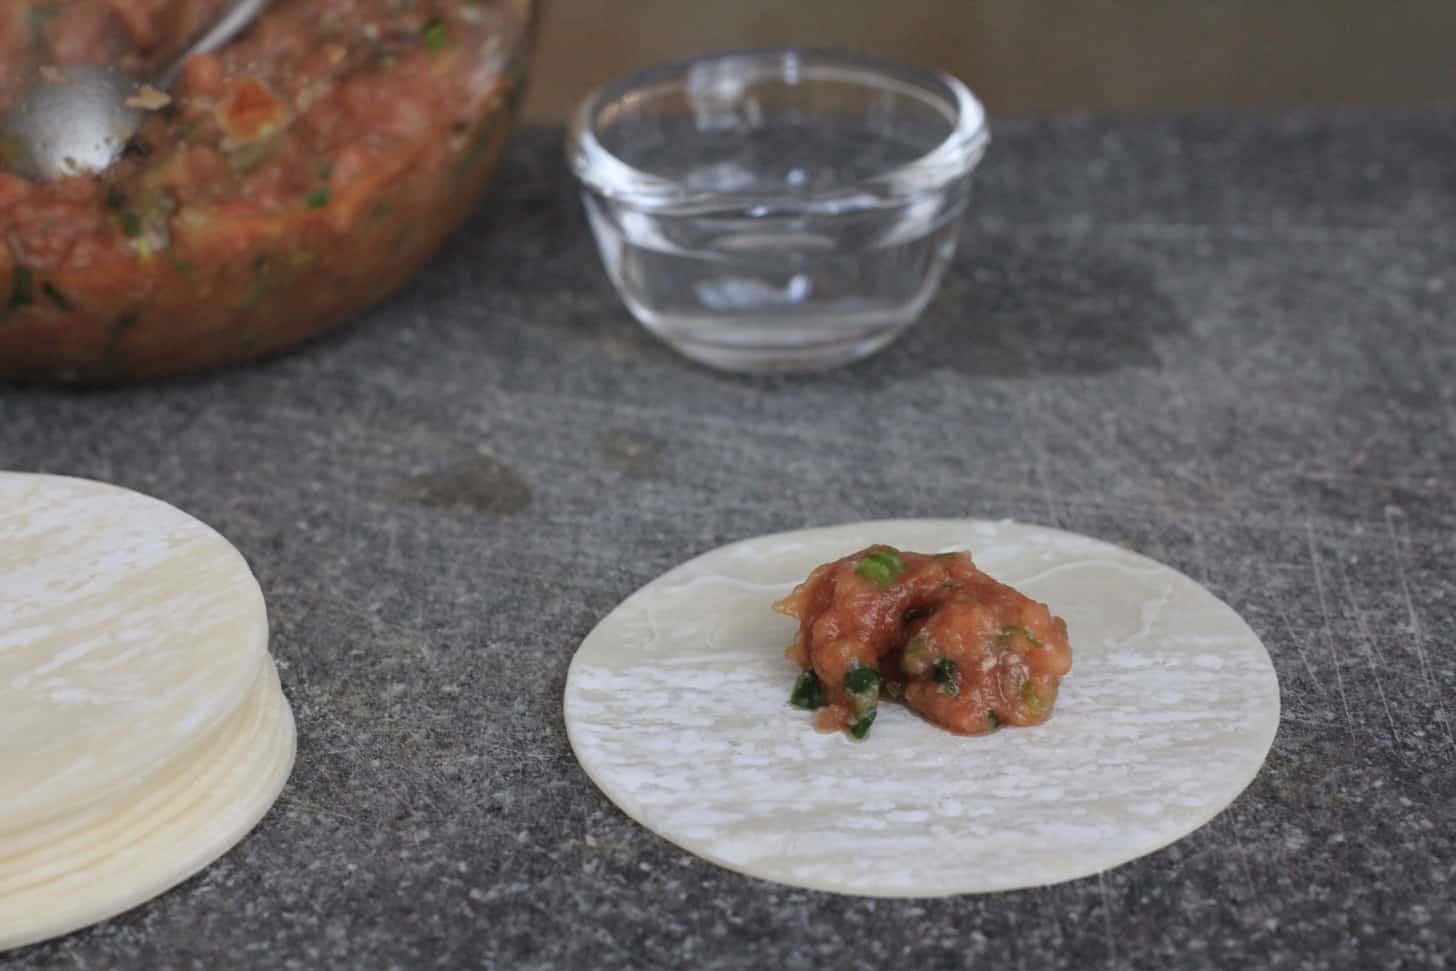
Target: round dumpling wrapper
x=142, y=847
x=128, y=631
x=143, y=731
x=676, y=707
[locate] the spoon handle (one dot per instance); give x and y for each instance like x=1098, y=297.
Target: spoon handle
x=234, y=22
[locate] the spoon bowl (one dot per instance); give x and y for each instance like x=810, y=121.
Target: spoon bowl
x=71, y=121
x=78, y=119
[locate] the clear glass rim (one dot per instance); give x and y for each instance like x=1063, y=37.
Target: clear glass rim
x=953, y=157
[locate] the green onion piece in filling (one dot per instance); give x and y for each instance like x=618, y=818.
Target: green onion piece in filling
x=888, y=557
x=1034, y=699
x=863, y=685
x=22, y=286
x=56, y=297
x=435, y=35
x=808, y=694
x=1005, y=634
x=882, y=567
x=915, y=661
x=945, y=670
x=860, y=680
x=131, y=224
x=993, y=719
x=318, y=198
x=861, y=728
x=875, y=572
x=38, y=17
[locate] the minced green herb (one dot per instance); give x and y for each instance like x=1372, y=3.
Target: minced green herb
x=1034, y=699
x=916, y=658
x=1005, y=634
x=56, y=297
x=882, y=567
x=945, y=671
x=435, y=35
x=38, y=19
x=863, y=685
x=808, y=693
x=116, y=331
x=860, y=680
x=22, y=286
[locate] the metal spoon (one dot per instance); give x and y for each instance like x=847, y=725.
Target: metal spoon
x=76, y=120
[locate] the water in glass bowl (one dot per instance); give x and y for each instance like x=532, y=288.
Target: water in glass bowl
x=777, y=268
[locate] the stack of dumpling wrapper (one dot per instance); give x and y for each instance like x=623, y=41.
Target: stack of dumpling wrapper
x=143, y=731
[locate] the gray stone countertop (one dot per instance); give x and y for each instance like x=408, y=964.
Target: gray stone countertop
x=1228, y=343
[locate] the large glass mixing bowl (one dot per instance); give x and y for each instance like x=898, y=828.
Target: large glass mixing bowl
x=289, y=182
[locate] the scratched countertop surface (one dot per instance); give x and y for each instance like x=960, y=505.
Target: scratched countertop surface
x=1228, y=343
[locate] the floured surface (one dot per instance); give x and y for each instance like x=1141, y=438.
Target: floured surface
x=676, y=707
x=127, y=629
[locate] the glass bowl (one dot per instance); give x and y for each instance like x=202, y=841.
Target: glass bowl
x=296, y=178
x=777, y=210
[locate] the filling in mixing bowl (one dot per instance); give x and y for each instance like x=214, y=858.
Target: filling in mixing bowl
x=289, y=180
